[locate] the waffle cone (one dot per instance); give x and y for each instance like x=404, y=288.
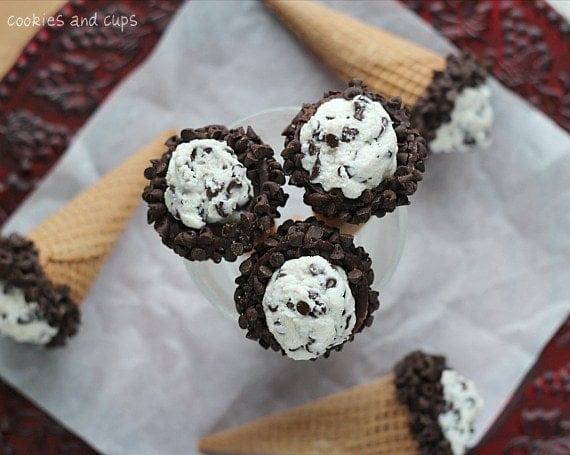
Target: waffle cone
x=74, y=242
x=363, y=420
x=345, y=228
x=352, y=49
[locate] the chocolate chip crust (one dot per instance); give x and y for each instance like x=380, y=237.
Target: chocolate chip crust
x=294, y=239
x=389, y=194
x=434, y=108
x=419, y=388
x=219, y=241
x=20, y=267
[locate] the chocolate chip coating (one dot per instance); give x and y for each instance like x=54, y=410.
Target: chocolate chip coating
x=20, y=267
x=419, y=388
x=392, y=192
x=294, y=239
x=433, y=109
x=217, y=241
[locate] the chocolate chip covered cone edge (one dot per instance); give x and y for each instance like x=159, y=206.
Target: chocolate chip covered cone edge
x=74, y=242
x=366, y=419
x=353, y=49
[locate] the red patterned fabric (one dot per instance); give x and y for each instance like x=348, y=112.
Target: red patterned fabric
x=526, y=45
x=61, y=77
x=25, y=429
x=537, y=417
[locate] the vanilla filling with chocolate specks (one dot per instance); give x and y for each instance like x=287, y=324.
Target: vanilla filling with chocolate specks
x=349, y=144
x=21, y=320
x=470, y=124
x=206, y=183
x=309, y=307
x=462, y=405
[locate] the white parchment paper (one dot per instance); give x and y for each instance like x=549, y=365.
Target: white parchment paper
x=483, y=278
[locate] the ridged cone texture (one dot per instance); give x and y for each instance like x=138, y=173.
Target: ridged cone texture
x=389, y=65
x=364, y=420
x=74, y=242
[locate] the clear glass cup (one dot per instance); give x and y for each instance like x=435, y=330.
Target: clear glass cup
x=383, y=238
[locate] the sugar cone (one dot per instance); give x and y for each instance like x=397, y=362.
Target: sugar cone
x=351, y=48
x=345, y=228
x=74, y=242
x=363, y=420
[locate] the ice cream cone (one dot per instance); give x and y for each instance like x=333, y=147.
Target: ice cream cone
x=351, y=48
x=423, y=407
x=45, y=276
x=75, y=241
x=428, y=83
x=367, y=419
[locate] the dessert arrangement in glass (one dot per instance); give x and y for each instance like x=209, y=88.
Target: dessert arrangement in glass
x=308, y=285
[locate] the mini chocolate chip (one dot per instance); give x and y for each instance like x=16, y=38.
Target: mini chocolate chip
x=469, y=140
x=188, y=134
x=355, y=275
x=331, y=283
x=359, y=110
x=156, y=195
x=237, y=248
x=308, y=346
x=331, y=140
x=380, y=133
x=251, y=313
x=270, y=242
x=276, y=259
x=352, y=91
x=315, y=269
x=185, y=238
x=316, y=169
x=26, y=320
x=303, y=307
x=246, y=267
x=312, y=148
x=290, y=305
x=315, y=232
x=161, y=169
x=296, y=239
x=337, y=253
x=264, y=272
x=198, y=254
x=149, y=173
x=348, y=134
x=212, y=193
x=243, y=322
